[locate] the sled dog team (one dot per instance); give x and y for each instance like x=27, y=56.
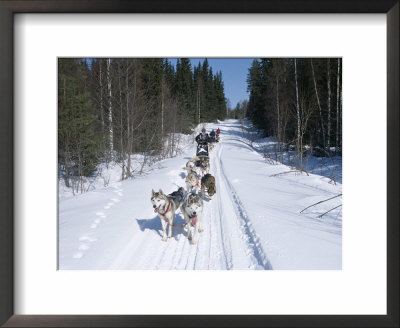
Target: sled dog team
x=190, y=201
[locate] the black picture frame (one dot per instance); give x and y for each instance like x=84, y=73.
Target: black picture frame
x=10, y=7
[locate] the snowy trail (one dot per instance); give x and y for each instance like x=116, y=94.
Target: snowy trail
x=247, y=232
x=252, y=222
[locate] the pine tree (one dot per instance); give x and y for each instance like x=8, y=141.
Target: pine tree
x=291, y=100
x=124, y=106
x=256, y=107
x=78, y=145
x=185, y=88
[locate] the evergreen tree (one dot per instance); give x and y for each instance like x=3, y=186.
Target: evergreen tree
x=123, y=106
x=220, y=107
x=255, y=109
x=78, y=146
x=294, y=102
x=185, y=88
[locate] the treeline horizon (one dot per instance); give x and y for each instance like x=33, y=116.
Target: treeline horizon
x=298, y=101
x=112, y=108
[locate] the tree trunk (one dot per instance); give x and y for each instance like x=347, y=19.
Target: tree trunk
x=101, y=100
x=337, y=104
x=319, y=106
x=298, y=121
x=162, y=108
x=66, y=166
x=110, y=119
x=328, y=141
x=277, y=106
x=121, y=140
x=130, y=128
x=198, y=104
x=66, y=152
x=128, y=137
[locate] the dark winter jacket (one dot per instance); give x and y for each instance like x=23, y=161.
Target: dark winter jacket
x=202, y=138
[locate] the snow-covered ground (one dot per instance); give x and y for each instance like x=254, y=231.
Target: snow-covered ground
x=329, y=166
x=253, y=221
x=110, y=173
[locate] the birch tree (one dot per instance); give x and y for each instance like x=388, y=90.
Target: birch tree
x=296, y=110
x=319, y=105
x=198, y=105
x=163, y=87
x=328, y=141
x=299, y=145
x=110, y=113
x=337, y=104
x=111, y=109
x=277, y=107
x=101, y=96
x=121, y=126
x=130, y=102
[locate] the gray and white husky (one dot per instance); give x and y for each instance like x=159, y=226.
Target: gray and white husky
x=192, y=180
x=191, y=163
x=166, y=206
x=198, y=164
x=192, y=210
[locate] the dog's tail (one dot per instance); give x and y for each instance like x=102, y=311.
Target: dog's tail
x=195, y=159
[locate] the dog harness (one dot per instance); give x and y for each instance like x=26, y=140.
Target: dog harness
x=169, y=205
x=177, y=195
x=166, y=211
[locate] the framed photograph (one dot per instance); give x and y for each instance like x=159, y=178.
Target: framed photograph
x=100, y=144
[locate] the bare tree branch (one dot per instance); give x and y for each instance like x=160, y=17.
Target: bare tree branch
x=322, y=201
x=320, y=216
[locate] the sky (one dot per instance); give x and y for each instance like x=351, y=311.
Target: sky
x=234, y=74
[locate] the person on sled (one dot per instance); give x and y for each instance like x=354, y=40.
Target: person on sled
x=212, y=135
x=217, y=136
x=202, y=144
x=202, y=137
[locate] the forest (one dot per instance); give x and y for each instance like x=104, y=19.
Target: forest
x=299, y=102
x=112, y=108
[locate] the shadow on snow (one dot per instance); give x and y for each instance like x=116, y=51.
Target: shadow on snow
x=155, y=225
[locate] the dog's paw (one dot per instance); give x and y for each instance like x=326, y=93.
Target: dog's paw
x=190, y=237
x=164, y=239
x=193, y=242
x=201, y=230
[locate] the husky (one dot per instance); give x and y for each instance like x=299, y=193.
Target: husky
x=192, y=180
x=165, y=206
x=191, y=164
x=203, y=164
x=208, y=182
x=192, y=210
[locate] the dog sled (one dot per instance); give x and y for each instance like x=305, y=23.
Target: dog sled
x=202, y=150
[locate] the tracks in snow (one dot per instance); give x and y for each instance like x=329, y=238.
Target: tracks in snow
x=238, y=219
x=228, y=242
